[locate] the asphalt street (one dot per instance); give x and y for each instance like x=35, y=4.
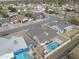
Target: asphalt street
x=26, y=26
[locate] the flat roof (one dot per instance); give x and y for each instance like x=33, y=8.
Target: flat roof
x=11, y=44
x=61, y=25
x=23, y=34
x=42, y=33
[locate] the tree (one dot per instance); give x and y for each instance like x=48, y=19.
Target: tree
x=74, y=21
x=29, y=14
x=3, y=13
x=12, y=9
x=34, y=1
x=1, y=8
x=46, y=9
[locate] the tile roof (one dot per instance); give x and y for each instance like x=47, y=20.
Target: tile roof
x=18, y=18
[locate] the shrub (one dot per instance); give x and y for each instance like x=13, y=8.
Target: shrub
x=12, y=9
x=74, y=21
x=29, y=14
x=46, y=9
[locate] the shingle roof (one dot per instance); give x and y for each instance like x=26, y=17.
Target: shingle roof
x=18, y=18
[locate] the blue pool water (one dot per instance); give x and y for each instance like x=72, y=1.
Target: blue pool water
x=52, y=45
x=20, y=54
x=21, y=50
x=23, y=56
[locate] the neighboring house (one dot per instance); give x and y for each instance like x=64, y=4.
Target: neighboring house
x=60, y=27
x=65, y=40
x=11, y=14
x=4, y=21
x=19, y=19
x=72, y=33
x=15, y=42
x=26, y=37
x=11, y=44
x=38, y=15
x=41, y=34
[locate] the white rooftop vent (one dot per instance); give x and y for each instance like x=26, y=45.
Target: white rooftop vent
x=46, y=33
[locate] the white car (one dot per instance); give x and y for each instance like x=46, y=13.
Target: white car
x=5, y=24
x=24, y=20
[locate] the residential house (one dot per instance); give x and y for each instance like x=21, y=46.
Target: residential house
x=11, y=44
x=65, y=40
x=19, y=19
x=26, y=37
x=41, y=34
x=38, y=15
x=70, y=39
x=60, y=26
x=11, y=14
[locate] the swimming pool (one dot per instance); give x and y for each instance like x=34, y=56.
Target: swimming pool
x=23, y=56
x=52, y=46
x=20, y=54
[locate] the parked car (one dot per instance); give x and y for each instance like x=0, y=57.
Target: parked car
x=5, y=24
